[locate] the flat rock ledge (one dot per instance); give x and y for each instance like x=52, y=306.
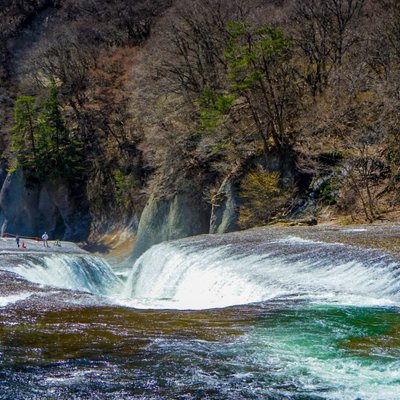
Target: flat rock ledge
x=9, y=245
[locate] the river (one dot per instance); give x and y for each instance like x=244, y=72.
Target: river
x=274, y=313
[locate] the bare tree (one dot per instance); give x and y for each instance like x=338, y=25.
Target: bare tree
x=197, y=43
x=323, y=33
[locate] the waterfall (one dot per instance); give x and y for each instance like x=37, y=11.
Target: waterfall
x=209, y=273
x=75, y=272
x=6, y=300
x=221, y=271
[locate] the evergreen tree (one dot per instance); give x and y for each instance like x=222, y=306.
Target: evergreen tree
x=24, y=144
x=258, y=62
x=60, y=155
x=41, y=142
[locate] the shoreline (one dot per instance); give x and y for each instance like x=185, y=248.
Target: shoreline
x=9, y=246
x=378, y=235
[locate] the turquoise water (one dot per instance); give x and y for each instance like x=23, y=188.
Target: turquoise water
x=331, y=351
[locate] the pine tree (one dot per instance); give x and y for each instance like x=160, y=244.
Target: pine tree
x=24, y=143
x=260, y=72
x=41, y=141
x=59, y=154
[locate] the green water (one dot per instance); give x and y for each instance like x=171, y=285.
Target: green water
x=338, y=352
x=277, y=350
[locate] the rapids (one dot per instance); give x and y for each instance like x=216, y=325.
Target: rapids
x=276, y=313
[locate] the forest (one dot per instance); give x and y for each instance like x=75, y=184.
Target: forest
x=296, y=102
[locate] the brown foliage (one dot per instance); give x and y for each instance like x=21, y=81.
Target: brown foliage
x=132, y=75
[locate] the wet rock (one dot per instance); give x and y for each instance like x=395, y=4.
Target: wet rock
x=18, y=202
x=183, y=215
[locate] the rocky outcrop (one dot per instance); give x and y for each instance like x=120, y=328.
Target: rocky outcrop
x=226, y=203
x=183, y=215
x=225, y=206
x=31, y=208
x=186, y=214
x=18, y=203
x=284, y=163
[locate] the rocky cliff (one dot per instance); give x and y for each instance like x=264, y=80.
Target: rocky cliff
x=29, y=209
x=183, y=128
x=183, y=215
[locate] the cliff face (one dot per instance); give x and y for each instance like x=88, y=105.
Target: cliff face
x=167, y=219
x=29, y=209
x=185, y=127
x=87, y=51
x=226, y=203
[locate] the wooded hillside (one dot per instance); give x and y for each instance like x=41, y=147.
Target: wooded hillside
x=294, y=101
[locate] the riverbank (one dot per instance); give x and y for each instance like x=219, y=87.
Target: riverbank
x=9, y=245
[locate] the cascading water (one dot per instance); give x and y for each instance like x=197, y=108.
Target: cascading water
x=265, y=314
x=201, y=274
x=67, y=271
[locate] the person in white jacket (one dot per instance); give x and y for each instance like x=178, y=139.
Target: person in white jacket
x=45, y=238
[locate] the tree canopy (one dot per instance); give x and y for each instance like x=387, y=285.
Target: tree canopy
x=41, y=142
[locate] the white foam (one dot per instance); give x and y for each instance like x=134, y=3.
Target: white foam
x=305, y=359
x=172, y=275
x=6, y=300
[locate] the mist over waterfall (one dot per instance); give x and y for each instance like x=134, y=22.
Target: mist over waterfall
x=221, y=271
x=210, y=273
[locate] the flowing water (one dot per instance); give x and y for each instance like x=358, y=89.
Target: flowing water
x=279, y=313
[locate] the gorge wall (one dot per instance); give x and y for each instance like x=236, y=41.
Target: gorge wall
x=182, y=129
x=29, y=209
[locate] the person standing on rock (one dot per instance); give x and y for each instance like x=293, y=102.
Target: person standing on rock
x=17, y=240
x=45, y=238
